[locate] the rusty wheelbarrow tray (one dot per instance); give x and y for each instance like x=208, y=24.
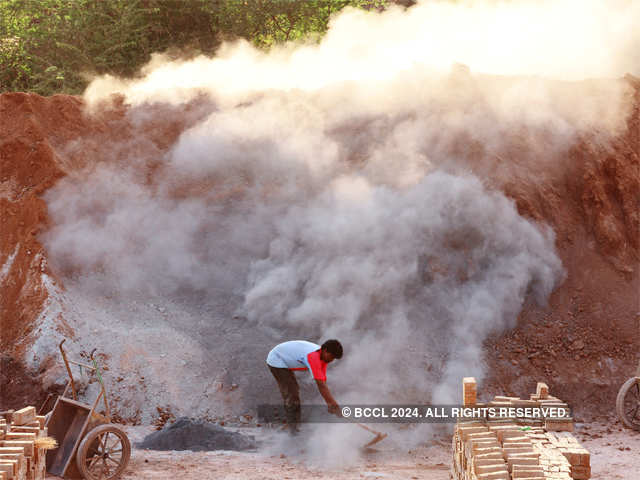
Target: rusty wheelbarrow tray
x=90, y=446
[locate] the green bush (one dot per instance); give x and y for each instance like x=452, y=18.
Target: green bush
x=55, y=46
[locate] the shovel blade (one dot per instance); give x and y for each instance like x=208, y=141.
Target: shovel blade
x=378, y=438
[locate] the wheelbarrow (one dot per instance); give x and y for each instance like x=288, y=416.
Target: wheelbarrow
x=90, y=446
x=628, y=402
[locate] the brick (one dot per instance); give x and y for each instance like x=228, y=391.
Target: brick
x=496, y=455
x=479, y=435
x=521, y=454
x=24, y=416
x=469, y=391
x=527, y=445
x=496, y=467
x=529, y=450
x=500, y=422
x=521, y=437
x=581, y=470
x=14, y=457
x=577, y=457
x=41, y=420
x=25, y=429
x=504, y=435
x=502, y=398
x=469, y=430
x=521, y=461
x=20, y=436
x=479, y=445
x=19, y=450
x=484, y=452
x=504, y=427
x=26, y=445
x=10, y=467
x=487, y=461
x=520, y=471
x=542, y=390
x=494, y=476
x=525, y=403
x=556, y=426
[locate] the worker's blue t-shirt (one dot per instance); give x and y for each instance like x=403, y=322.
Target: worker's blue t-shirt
x=299, y=355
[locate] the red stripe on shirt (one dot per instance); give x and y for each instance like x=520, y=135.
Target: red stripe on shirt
x=318, y=367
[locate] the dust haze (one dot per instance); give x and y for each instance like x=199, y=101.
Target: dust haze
x=346, y=189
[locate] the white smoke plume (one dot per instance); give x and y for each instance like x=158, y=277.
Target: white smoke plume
x=350, y=189
x=560, y=39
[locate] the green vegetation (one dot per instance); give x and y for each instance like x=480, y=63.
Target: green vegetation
x=54, y=46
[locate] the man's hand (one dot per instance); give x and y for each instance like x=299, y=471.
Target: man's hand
x=332, y=405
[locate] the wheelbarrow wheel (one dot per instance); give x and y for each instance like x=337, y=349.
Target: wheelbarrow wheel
x=103, y=453
x=628, y=403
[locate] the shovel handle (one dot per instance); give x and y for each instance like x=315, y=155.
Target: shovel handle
x=368, y=428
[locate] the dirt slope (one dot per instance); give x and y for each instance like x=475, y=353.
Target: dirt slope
x=584, y=345
x=37, y=138
x=587, y=343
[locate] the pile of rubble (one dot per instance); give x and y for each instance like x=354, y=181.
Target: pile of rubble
x=519, y=447
x=23, y=444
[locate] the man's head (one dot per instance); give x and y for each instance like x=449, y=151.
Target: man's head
x=330, y=350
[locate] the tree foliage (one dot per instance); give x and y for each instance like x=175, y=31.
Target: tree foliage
x=54, y=46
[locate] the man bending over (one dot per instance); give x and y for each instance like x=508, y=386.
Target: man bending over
x=294, y=355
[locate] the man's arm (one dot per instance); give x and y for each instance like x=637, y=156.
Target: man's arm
x=326, y=394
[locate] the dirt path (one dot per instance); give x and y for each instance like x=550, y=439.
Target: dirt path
x=614, y=456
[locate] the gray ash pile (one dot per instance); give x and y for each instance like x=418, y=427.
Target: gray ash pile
x=196, y=435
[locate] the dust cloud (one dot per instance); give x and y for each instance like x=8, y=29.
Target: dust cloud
x=338, y=190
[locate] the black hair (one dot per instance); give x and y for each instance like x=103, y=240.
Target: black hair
x=334, y=347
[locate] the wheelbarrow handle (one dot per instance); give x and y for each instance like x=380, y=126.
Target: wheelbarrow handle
x=66, y=363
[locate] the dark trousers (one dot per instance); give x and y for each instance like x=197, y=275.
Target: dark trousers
x=290, y=391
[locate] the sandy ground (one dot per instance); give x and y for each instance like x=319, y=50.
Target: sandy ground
x=614, y=455
x=615, y=451
x=275, y=462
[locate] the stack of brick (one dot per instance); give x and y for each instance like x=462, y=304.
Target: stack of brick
x=517, y=448
x=477, y=453
x=543, y=399
x=560, y=451
x=20, y=457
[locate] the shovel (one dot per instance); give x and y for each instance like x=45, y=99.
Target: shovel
x=379, y=436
